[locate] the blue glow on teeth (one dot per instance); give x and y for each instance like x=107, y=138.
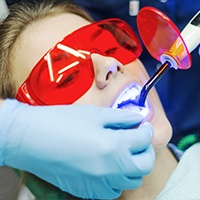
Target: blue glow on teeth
x=127, y=100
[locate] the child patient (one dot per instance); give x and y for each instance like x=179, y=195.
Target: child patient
x=95, y=63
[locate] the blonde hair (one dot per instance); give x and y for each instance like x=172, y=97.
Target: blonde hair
x=20, y=17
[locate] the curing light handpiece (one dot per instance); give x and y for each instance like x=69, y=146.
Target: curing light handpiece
x=176, y=56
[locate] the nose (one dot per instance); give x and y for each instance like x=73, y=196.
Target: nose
x=106, y=68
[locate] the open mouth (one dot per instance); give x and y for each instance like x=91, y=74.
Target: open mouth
x=127, y=100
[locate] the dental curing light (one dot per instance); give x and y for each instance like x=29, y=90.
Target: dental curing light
x=165, y=43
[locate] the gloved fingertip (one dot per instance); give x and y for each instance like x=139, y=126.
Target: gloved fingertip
x=148, y=126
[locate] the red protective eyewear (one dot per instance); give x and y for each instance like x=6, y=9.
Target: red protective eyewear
x=66, y=71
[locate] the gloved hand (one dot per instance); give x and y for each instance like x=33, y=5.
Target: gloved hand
x=88, y=151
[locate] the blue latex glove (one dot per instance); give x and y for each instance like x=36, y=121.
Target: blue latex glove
x=74, y=148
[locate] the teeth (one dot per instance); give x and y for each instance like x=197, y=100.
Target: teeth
x=132, y=93
x=127, y=101
x=127, y=95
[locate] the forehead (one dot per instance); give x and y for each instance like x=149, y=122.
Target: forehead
x=43, y=35
x=39, y=37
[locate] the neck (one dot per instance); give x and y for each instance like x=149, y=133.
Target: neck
x=154, y=183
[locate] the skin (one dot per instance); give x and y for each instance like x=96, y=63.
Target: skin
x=110, y=79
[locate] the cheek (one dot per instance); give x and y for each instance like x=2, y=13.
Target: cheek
x=162, y=127
x=162, y=134
x=137, y=71
x=94, y=97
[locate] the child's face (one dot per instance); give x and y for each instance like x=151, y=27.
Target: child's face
x=111, y=77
